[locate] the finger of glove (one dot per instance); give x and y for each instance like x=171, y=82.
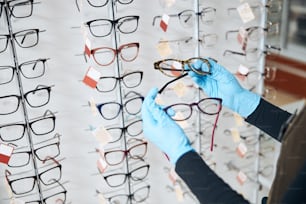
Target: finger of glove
x=218, y=72
x=146, y=107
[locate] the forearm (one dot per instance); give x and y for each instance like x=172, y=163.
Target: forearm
x=269, y=118
x=204, y=183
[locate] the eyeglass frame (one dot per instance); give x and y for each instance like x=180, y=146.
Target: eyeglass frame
x=131, y=196
x=116, y=52
x=11, y=8
x=121, y=79
x=114, y=23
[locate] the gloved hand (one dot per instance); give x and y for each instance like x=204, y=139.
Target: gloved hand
x=222, y=84
x=160, y=129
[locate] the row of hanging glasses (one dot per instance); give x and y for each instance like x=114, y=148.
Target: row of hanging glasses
x=33, y=173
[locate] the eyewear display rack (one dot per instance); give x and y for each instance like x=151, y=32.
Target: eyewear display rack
x=14, y=12
x=239, y=149
x=110, y=193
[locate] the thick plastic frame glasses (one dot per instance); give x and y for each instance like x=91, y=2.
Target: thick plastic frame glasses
x=104, y=106
x=187, y=17
x=34, y=123
x=134, y=175
x=133, y=129
x=19, y=8
x=109, y=83
x=32, y=179
x=175, y=67
x=101, y=57
x=35, y=98
x=120, y=155
x=24, y=39
x=104, y=27
x=30, y=70
x=23, y=157
x=97, y=4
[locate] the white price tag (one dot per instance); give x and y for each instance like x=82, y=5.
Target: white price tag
x=245, y=12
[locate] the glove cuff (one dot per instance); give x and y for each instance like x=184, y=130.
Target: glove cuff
x=248, y=102
x=183, y=150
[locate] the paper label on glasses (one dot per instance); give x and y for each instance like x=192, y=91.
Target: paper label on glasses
x=164, y=22
x=102, y=135
x=93, y=107
x=241, y=149
x=173, y=175
x=102, y=200
x=102, y=165
x=239, y=120
x=164, y=49
x=179, y=115
x=179, y=192
x=5, y=153
x=87, y=48
x=245, y=12
x=241, y=177
x=235, y=135
x=91, y=77
x=242, y=38
x=180, y=89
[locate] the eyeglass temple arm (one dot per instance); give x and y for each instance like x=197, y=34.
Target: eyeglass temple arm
x=169, y=82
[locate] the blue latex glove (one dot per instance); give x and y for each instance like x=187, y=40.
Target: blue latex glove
x=222, y=84
x=160, y=129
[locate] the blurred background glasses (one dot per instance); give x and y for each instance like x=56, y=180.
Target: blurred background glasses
x=30, y=70
x=39, y=126
x=254, y=76
x=20, y=158
x=175, y=67
x=104, y=27
x=111, y=110
x=104, y=56
x=115, y=157
x=139, y=195
x=253, y=54
x=26, y=184
x=272, y=7
x=132, y=129
x=130, y=80
x=35, y=98
x=25, y=39
x=187, y=18
x=118, y=179
x=18, y=8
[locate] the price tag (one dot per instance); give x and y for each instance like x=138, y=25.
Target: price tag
x=238, y=119
x=173, y=175
x=102, y=200
x=245, y=12
x=180, y=89
x=241, y=149
x=235, y=135
x=102, y=165
x=93, y=106
x=178, y=192
x=242, y=38
x=164, y=22
x=164, y=49
x=102, y=135
x=241, y=177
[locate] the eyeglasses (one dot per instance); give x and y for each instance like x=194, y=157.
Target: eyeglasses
x=53, y=198
x=104, y=56
x=30, y=70
x=254, y=76
x=26, y=184
x=208, y=106
x=118, y=179
x=139, y=195
x=175, y=67
x=130, y=80
x=19, y=9
x=187, y=17
x=25, y=39
x=104, y=27
x=22, y=158
x=132, y=129
x=115, y=157
x=111, y=110
x=39, y=126
x=101, y=3
x=252, y=54
x=36, y=98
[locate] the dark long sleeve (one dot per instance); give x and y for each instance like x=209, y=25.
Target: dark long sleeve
x=204, y=183
x=269, y=118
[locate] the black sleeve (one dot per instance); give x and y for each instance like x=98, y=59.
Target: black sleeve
x=204, y=183
x=268, y=118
